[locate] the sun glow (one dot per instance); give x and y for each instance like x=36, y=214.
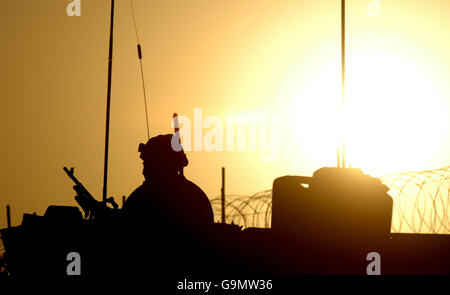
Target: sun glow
x=392, y=120
x=395, y=114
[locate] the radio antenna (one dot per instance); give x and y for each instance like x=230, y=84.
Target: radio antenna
x=108, y=102
x=176, y=130
x=142, y=68
x=341, y=153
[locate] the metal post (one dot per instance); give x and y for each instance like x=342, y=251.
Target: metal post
x=8, y=216
x=222, y=191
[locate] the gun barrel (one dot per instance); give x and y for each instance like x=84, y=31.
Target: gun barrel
x=77, y=182
x=70, y=174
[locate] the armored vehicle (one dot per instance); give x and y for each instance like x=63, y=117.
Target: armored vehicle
x=336, y=222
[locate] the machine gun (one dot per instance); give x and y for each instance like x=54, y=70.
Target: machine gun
x=86, y=201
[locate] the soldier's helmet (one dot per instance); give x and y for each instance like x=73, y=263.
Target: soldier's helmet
x=165, y=148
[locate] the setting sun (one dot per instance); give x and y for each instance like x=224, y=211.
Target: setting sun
x=394, y=116
x=395, y=113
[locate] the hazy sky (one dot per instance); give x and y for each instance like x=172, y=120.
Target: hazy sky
x=272, y=59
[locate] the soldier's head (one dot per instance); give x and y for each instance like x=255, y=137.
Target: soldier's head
x=163, y=157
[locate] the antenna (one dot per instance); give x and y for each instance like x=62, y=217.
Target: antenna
x=176, y=128
x=141, y=66
x=108, y=102
x=343, y=80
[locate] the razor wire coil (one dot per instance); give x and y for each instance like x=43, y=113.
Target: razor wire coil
x=421, y=203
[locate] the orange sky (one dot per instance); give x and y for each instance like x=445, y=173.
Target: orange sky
x=273, y=58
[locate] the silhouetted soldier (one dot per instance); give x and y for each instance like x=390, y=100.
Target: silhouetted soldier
x=174, y=215
x=167, y=198
x=165, y=222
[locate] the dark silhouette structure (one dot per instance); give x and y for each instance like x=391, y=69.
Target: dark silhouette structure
x=324, y=224
x=166, y=225
x=166, y=195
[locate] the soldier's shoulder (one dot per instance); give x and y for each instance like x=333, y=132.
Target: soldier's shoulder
x=192, y=187
x=198, y=199
x=140, y=189
x=135, y=195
